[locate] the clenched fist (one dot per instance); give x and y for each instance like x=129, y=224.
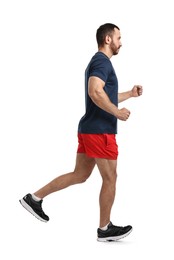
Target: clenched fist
x=137, y=91
x=123, y=114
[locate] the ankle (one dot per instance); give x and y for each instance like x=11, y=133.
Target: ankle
x=104, y=227
x=35, y=197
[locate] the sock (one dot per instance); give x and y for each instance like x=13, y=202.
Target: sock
x=105, y=227
x=35, y=197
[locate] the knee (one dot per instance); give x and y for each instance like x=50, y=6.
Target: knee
x=81, y=177
x=110, y=177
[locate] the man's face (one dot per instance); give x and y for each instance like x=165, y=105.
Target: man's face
x=115, y=42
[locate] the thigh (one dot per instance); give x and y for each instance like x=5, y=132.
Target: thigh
x=107, y=168
x=84, y=165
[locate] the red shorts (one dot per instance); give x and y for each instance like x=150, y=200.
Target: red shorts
x=98, y=145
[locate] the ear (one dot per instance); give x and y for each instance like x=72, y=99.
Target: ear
x=107, y=39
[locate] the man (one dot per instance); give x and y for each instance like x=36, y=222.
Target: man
x=96, y=135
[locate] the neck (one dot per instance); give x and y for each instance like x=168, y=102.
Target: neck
x=106, y=51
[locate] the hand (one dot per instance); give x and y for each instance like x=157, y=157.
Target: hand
x=123, y=114
x=137, y=91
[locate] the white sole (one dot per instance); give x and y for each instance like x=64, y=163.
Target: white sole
x=29, y=209
x=112, y=239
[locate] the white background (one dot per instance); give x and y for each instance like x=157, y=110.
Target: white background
x=45, y=47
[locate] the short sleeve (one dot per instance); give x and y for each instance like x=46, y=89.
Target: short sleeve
x=101, y=68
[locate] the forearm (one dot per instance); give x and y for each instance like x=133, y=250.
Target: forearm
x=124, y=96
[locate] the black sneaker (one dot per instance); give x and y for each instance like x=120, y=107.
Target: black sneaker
x=34, y=207
x=113, y=233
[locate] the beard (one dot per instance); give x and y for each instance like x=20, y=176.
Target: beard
x=114, y=48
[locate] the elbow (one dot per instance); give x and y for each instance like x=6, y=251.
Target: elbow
x=91, y=95
x=94, y=95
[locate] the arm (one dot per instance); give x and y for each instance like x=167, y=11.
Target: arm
x=136, y=91
x=124, y=96
x=100, y=98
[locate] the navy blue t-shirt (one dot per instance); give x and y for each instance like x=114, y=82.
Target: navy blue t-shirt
x=96, y=120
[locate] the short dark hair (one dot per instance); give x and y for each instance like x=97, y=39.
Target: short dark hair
x=103, y=31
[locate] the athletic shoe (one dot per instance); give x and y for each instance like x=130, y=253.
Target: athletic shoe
x=34, y=207
x=113, y=233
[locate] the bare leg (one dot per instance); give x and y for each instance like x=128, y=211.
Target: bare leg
x=83, y=169
x=108, y=173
